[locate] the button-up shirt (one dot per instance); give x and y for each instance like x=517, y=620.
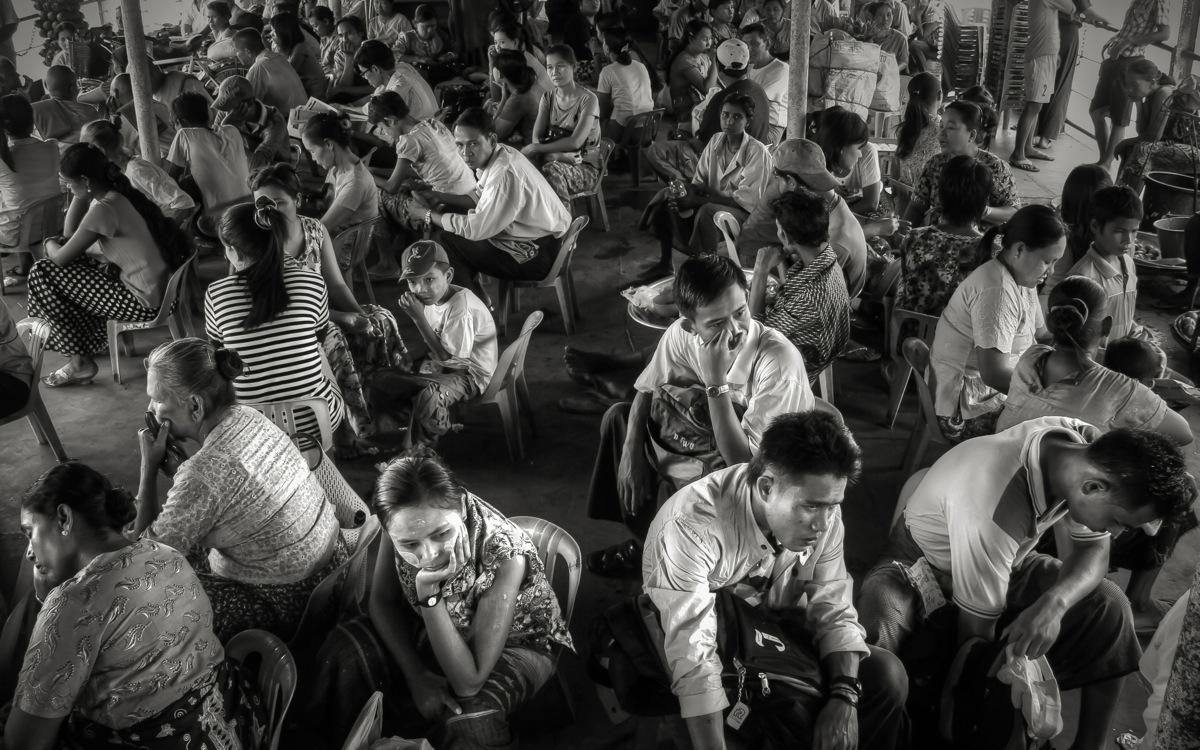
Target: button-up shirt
x=742, y=176
x=514, y=207
x=1143, y=17
x=705, y=539
x=1119, y=279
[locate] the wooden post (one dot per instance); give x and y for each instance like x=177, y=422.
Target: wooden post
x=798, y=67
x=1189, y=26
x=139, y=75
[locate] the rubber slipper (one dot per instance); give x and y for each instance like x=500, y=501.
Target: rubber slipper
x=1024, y=166
x=588, y=404
x=63, y=376
x=860, y=354
x=13, y=279
x=1128, y=741
x=618, y=561
x=1040, y=156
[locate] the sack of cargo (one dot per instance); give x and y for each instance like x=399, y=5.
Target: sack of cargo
x=887, y=88
x=849, y=89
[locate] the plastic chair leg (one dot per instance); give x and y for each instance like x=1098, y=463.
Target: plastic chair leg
x=635, y=163
x=916, y=451
x=571, y=289
x=564, y=304
x=526, y=404
x=601, y=208
x=503, y=403
x=506, y=290
x=39, y=416
x=825, y=382
x=114, y=353
x=361, y=272
x=896, y=388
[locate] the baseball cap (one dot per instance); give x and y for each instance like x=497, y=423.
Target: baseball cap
x=233, y=91
x=420, y=257
x=733, y=54
x=806, y=160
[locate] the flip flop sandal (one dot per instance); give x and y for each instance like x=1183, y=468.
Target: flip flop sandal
x=64, y=377
x=1041, y=157
x=860, y=354
x=1024, y=166
x=13, y=279
x=618, y=561
x=1128, y=741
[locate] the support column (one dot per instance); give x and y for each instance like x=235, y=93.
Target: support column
x=139, y=74
x=798, y=67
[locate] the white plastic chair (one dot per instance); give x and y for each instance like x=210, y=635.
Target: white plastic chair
x=276, y=677
x=42, y=219
x=170, y=315
x=35, y=331
x=730, y=228
x=508, y=391
x=368, y=727
x=559, y=277
x=357, y=237
x=285, y=413
x=595, y=194
x=916, y=354
x=926, y=326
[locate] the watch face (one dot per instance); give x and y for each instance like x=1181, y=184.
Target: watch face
x=431, y=600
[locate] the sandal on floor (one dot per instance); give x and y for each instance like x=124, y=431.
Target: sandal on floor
x=14, y=279
x=1128, y=741
x=64, y=376
x=860, y=354
x=622, y=560
x=1024, y=166
x=1039, y=156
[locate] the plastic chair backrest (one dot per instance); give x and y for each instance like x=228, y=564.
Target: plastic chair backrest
x=916, y=354
x=511, y=364
x=276, y=678
x=368, y=727
x=35, y=332
x=926, y=327
x=358, y=238
x=555, y=545
x=43, y=218
x=730, y=229
x=910, y=486
x=283, y=415
x=642, y=128
x=566, y=249
x=171, y=293
x=347, y=504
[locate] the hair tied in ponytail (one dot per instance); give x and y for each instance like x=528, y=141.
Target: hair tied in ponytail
x=1074, y=307
x=229, y=363
x=263, y=207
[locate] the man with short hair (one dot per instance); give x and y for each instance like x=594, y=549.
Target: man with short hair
x=345, y=82
x=377, y=64
x=771, y=73
x=748, y=373
x=968, y=533
x=121, y=104
x=218, y=42
x=59, y=116
x=272, y=77
x=800, y=165
x=264, y=128
x=771, y=532
x=515, y=222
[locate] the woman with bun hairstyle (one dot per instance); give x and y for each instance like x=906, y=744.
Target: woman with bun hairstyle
x=964, y=126
x=272, y=313
x=28, y=174
x=354, y=197
x=79, y=289
x=991, y=319
x=1063, y=379
x=917, y=139
x=149, y=178
x=123, y=652
x=461, y=627
x=245, y=509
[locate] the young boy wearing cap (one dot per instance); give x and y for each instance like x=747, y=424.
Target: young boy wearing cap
x=264, y=128
x=461, y=336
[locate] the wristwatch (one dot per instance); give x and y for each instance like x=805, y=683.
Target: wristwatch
x=716, y=391
x=430, y=601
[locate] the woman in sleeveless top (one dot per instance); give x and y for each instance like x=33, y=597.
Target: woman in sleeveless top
x=567, y=130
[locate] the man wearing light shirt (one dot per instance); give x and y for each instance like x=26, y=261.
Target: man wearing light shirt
x=514, y=222
x=771, y=531
x=276, y=83
x=377, y=64
x=771, y=73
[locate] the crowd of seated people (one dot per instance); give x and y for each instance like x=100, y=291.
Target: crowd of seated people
x=458, y=164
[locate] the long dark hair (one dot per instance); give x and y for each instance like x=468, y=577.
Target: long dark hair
x=838, y=129
x=622, y=46
x=1035, y=225
x=1081, y=184
x=280, y=174
x=85, y=160
x=329, y=126
x=258, y=232
x=923, y=90
x=288, y=31
x=16, y=119
x=691, y=29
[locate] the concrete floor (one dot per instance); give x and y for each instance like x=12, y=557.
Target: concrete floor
x=98, y=425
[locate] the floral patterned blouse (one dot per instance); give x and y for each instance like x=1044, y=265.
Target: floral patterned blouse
x=929, y=186
x=122, y=640
x=932, y=265
x=538, y=623
x=309, y=257
x=927, y=147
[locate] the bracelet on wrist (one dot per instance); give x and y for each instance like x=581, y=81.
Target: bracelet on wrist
x=845, y=697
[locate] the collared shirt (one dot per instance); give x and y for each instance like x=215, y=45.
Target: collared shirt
x=61, y=119
x=1143, y=17
x=766, y=376
x=982, y=507
x=705, y=539
x=742, y=176
x=1119, y=279
x=267, y=137
x=514, y=208
x=275, y=82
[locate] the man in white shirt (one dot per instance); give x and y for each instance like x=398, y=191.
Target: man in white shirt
x=59, y=116
x=748, y=373
x=771, y=532
x=377, y=64
x=771, y=73
x=969, y=532
x=274, y=79
x=514, y=229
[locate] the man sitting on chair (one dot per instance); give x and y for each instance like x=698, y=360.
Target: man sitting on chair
x=59, y=116
x=716, y=361
x=263, y=128
x=516, y=222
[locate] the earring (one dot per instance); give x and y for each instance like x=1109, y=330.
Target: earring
x=66, y=531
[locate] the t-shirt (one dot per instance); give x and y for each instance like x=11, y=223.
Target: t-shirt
x=464, y=325
x=33, y=177
x=355, y=189
x=158, y=187
x=217, y=162
x=1043, y=26
x=62, y=119
x=766, y=376
x=865, y=174
x=276, y=83
x=773, y=77
x=1099, y=396
x=126, y=242
x=989, y=310
x=629, y=86
x=430, y=147
x=982, y=508
x=413, y=89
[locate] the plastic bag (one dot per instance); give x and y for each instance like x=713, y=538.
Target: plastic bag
x=849, y=89
x=1035, y=693
x=887, y=87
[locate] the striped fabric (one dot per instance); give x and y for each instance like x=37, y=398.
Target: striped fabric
x=283, y=356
